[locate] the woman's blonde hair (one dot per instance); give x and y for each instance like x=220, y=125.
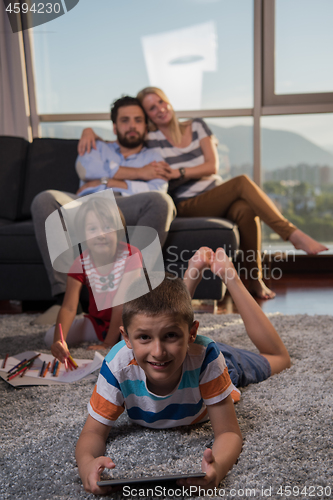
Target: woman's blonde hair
x=177, y=128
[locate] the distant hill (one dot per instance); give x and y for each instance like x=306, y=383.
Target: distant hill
x=74, y=131
x=279, y=147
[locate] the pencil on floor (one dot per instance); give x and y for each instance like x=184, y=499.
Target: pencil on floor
x=18, y=365
x=24, y=371
x=47, y=369
x=57, y=363
x=57, y=370
x=42, y=369
x=5, y=361
x=53, y=365
x=17, y=373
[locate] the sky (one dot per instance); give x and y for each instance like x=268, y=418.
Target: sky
x=199, y=51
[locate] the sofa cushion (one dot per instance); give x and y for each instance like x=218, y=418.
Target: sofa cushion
x=50, y=165
x=188, y=234
x=13, y=152
x=18, y=243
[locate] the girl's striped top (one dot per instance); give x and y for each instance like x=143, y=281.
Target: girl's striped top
x=122, y=384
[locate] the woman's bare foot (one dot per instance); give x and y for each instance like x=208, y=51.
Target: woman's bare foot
x=303, y=241
x=260, y=290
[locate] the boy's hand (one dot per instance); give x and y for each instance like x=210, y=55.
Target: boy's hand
x=222, y=266
x=208, y=465
x=92, y=474
x=60, y=350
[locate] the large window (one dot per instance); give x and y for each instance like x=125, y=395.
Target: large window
x=230, y=133
x=73, y=130
x=259, y=71
x=199, y=52
x=303, y=46
x=297, y=161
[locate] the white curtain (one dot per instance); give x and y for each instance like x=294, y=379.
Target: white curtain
x=14, y=101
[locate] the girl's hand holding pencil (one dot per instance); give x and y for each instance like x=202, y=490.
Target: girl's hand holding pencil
x=60, y=350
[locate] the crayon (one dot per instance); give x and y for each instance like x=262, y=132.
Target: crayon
x=25, y=370
x=24, y=366
x=17, y=366
x=46, y=369
x=17, y=373
x=70, y=364
x=23, y=363
x=5, y=361
x=73, y=362
x=63, y=342
x=53, y=364
x=42, y=369
x=55, y=368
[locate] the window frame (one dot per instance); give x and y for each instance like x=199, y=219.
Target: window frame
x=293, y=103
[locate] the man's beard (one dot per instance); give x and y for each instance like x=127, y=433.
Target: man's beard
x=130, y=143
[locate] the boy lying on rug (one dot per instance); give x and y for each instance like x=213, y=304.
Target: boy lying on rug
x=166, y=375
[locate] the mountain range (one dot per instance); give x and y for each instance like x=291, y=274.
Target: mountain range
x=280, y=148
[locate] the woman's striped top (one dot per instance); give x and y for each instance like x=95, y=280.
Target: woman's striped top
x=191, y=156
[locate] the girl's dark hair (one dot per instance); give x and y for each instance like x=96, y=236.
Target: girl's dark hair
x=170, y=297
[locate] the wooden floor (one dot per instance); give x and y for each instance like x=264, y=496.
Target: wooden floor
x=295, y=294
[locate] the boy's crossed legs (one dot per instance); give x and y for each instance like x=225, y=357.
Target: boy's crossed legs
x=258, y=327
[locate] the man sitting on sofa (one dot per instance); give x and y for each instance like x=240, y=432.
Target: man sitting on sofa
x=127, y=167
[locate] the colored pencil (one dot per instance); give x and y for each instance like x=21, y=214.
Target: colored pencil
x=24, y=364
x=22, y=368
x=42, y=369
x=53, y=365
x=25, y=370
x=46, y=369
x=17, y=373
x=73, y=362
x=18, y=365
x=70, y=366
x=57, y=370
x=63, y=342
x=5, y=361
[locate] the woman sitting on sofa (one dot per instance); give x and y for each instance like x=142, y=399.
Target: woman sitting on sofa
x=191, y=165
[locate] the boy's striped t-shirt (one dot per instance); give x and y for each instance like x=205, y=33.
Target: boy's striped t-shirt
x=122, y=385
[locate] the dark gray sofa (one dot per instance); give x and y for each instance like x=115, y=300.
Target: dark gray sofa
x=29, y=168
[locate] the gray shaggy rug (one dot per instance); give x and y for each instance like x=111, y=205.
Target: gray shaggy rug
x=286, y=423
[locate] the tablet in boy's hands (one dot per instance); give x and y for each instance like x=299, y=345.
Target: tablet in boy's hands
x=148, y=479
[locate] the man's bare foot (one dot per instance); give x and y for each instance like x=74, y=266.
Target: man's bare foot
x=260, y=290
x=303, y=241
